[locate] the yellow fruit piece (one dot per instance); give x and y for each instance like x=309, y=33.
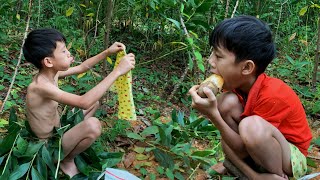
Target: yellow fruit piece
x=109, y=60
x=81, y=75
x=124, y=89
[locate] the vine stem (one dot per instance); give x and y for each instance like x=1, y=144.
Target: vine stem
x=194, y=171
x=19, y=59
x=59, y=158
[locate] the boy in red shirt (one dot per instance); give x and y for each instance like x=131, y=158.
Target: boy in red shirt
x=259, y=117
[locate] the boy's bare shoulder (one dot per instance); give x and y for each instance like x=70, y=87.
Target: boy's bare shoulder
x=41, y=87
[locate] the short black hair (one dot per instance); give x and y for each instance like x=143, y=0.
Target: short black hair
x=41, y=43
x=248, y=38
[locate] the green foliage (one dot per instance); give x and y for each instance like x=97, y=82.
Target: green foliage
x=22, y=155
x=171, y=143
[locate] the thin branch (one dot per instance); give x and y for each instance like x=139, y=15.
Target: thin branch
x=227, y=9
x=95, y=27
x=235, y=8
x=280, y=14
x=20, y=55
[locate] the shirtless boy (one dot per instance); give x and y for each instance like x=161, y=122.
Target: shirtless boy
x=46, y=49
x=259, y=117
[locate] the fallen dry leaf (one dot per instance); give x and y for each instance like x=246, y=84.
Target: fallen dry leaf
x=128, y=160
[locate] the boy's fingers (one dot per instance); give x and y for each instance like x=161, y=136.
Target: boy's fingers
x=193, y=90
x=209, y=93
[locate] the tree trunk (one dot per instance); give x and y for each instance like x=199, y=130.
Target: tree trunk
x=109, y=10
x=316, y=59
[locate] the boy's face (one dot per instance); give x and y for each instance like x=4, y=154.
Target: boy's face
x=61, y=57
x=223, y=63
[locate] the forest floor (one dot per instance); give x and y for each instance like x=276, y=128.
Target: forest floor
x=130, y=161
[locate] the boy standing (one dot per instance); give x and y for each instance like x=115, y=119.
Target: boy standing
x=46, y=49
x=259, y=117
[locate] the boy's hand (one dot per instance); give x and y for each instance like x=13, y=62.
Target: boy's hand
x=115, y=47
x=126, y=64
x=207, y=106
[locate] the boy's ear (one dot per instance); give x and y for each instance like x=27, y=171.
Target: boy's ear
x=47, y=62
x=248, y=67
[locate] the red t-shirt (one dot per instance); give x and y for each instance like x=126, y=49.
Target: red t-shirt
x=276, y=102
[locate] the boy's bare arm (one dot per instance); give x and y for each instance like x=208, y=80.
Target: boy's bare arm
x=209, y=107
x=88, y=99
x=89, y=63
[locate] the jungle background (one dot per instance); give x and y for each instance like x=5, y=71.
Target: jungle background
x=169, y=140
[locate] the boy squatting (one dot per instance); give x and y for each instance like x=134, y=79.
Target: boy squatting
x=46, y=49
x=259, y=117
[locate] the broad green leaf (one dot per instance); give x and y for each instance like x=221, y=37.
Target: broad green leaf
x=199, y=60
x=311, y=163
x=48, y=159
x=202, y=153
x=2, y=158
x=79, y=117
x=165, y=135
x=303, y=10
x=18, y=16
x=290, y=59
x=181, y=118
x=107, y=155
x=42, y=167
x=152, y=176
x=205, y=6
x=163, y=158
x=316, y=142
x=196, y=123
x=12, y=117
x=179, y=176
x=174, y=115
x=35, y=175
x=139, y=149
x=190, y=40
x=7, y=143
x=90, y=14
x=176, y=23
x=135, y=136
x=21, y=147
x=169, y=174
x=111, y=162
x=315, y=6
x=69, y=11
x=82, y=165
x=1, y=87
x=190, y=61
x=150, y=130
x=33, y=148
x=181, y=8
x=3, y=122
x=141, y=157
x=20, y=171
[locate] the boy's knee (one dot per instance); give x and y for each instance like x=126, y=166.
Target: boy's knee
x=228, y=102
x=94, y=127
x=252, y=130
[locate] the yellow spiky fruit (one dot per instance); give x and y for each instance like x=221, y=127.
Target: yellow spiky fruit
x=124, y=89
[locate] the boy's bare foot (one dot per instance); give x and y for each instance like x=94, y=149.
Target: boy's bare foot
x=69, y=167
x=219, y=168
